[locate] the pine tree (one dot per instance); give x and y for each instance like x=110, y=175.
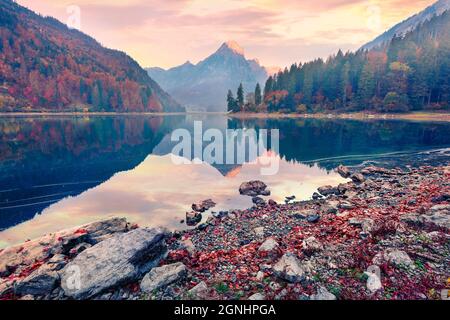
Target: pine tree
x=240, y=97
x=258, y=96
x=231, y=102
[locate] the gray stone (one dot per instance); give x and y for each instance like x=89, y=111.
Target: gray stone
x=358, y=178
x=259, y=231
x=343, y=171
x=257, y=296
x=328, y=190
x=163, y=276
x=199, y=291
x=254, y=189
x=323, y=294
x=269, y=245
x=395, y=257
x=203, y=205
x=39, y=283
x=311, y=245
x=120, y=259
x=289, y=268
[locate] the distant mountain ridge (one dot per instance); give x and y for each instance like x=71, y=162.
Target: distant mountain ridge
x=45, y=66
x=409, y=24
x=204, y=86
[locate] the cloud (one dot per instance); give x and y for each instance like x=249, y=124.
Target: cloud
x=278, y=32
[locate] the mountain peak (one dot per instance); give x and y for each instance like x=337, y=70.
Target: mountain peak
x=232, y=46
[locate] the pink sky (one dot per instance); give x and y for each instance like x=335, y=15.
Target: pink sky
x=166, y=33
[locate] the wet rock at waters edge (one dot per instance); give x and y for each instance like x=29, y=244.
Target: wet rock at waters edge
x=258, y=201
x=289, y=268
x=163, y=276
x=357, y=178
x=24, y=255
x=272, y=203
x=316, y=196
x=254, y=188
x=120, y=259
x=203, y=206
x=343, y=171
x=328, y=190
x=193, y=218
x=323, y=294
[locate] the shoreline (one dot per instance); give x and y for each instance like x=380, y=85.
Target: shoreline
x=413, y=116
x=382, y=217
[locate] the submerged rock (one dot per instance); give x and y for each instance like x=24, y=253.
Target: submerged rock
x=163, y=276
x=115, y=261
x=203, y=206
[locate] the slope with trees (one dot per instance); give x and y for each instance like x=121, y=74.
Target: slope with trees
x=409, y=73
x=44, y=65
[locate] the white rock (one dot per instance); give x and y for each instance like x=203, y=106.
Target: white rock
x=257, y=296
x=163, y=276
x=289, y=268
x=269, y=245
x=259, y=231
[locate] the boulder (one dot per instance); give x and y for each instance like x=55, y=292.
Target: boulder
x=343, y=171
x=357, y=178
x=16, y=259
x=288, y=268
x=39, y=283
x=254, y=188
x=163, y=276
x=120, y=259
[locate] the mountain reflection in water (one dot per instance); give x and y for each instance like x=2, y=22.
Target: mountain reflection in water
x=60, y=172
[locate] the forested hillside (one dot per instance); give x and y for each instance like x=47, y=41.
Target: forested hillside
x=45, y=66
x=411, y=72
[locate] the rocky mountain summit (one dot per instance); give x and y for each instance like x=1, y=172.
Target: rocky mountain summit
x=204, y=86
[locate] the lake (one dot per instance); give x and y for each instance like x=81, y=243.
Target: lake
x=59, y=171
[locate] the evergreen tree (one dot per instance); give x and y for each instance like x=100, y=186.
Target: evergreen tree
x=231, y=102
x=258, y=96
x=240, y=97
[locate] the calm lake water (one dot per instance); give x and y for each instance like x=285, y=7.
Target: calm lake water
x=60, y=172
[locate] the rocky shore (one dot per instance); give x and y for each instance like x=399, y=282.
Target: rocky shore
x=382, y=235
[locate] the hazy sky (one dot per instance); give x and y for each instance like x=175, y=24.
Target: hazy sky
x=166, y=33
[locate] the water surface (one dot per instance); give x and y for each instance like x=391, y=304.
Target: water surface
x=58, y=172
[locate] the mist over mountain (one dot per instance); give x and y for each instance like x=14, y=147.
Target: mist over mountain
x=204, y=86
x=409, y=24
